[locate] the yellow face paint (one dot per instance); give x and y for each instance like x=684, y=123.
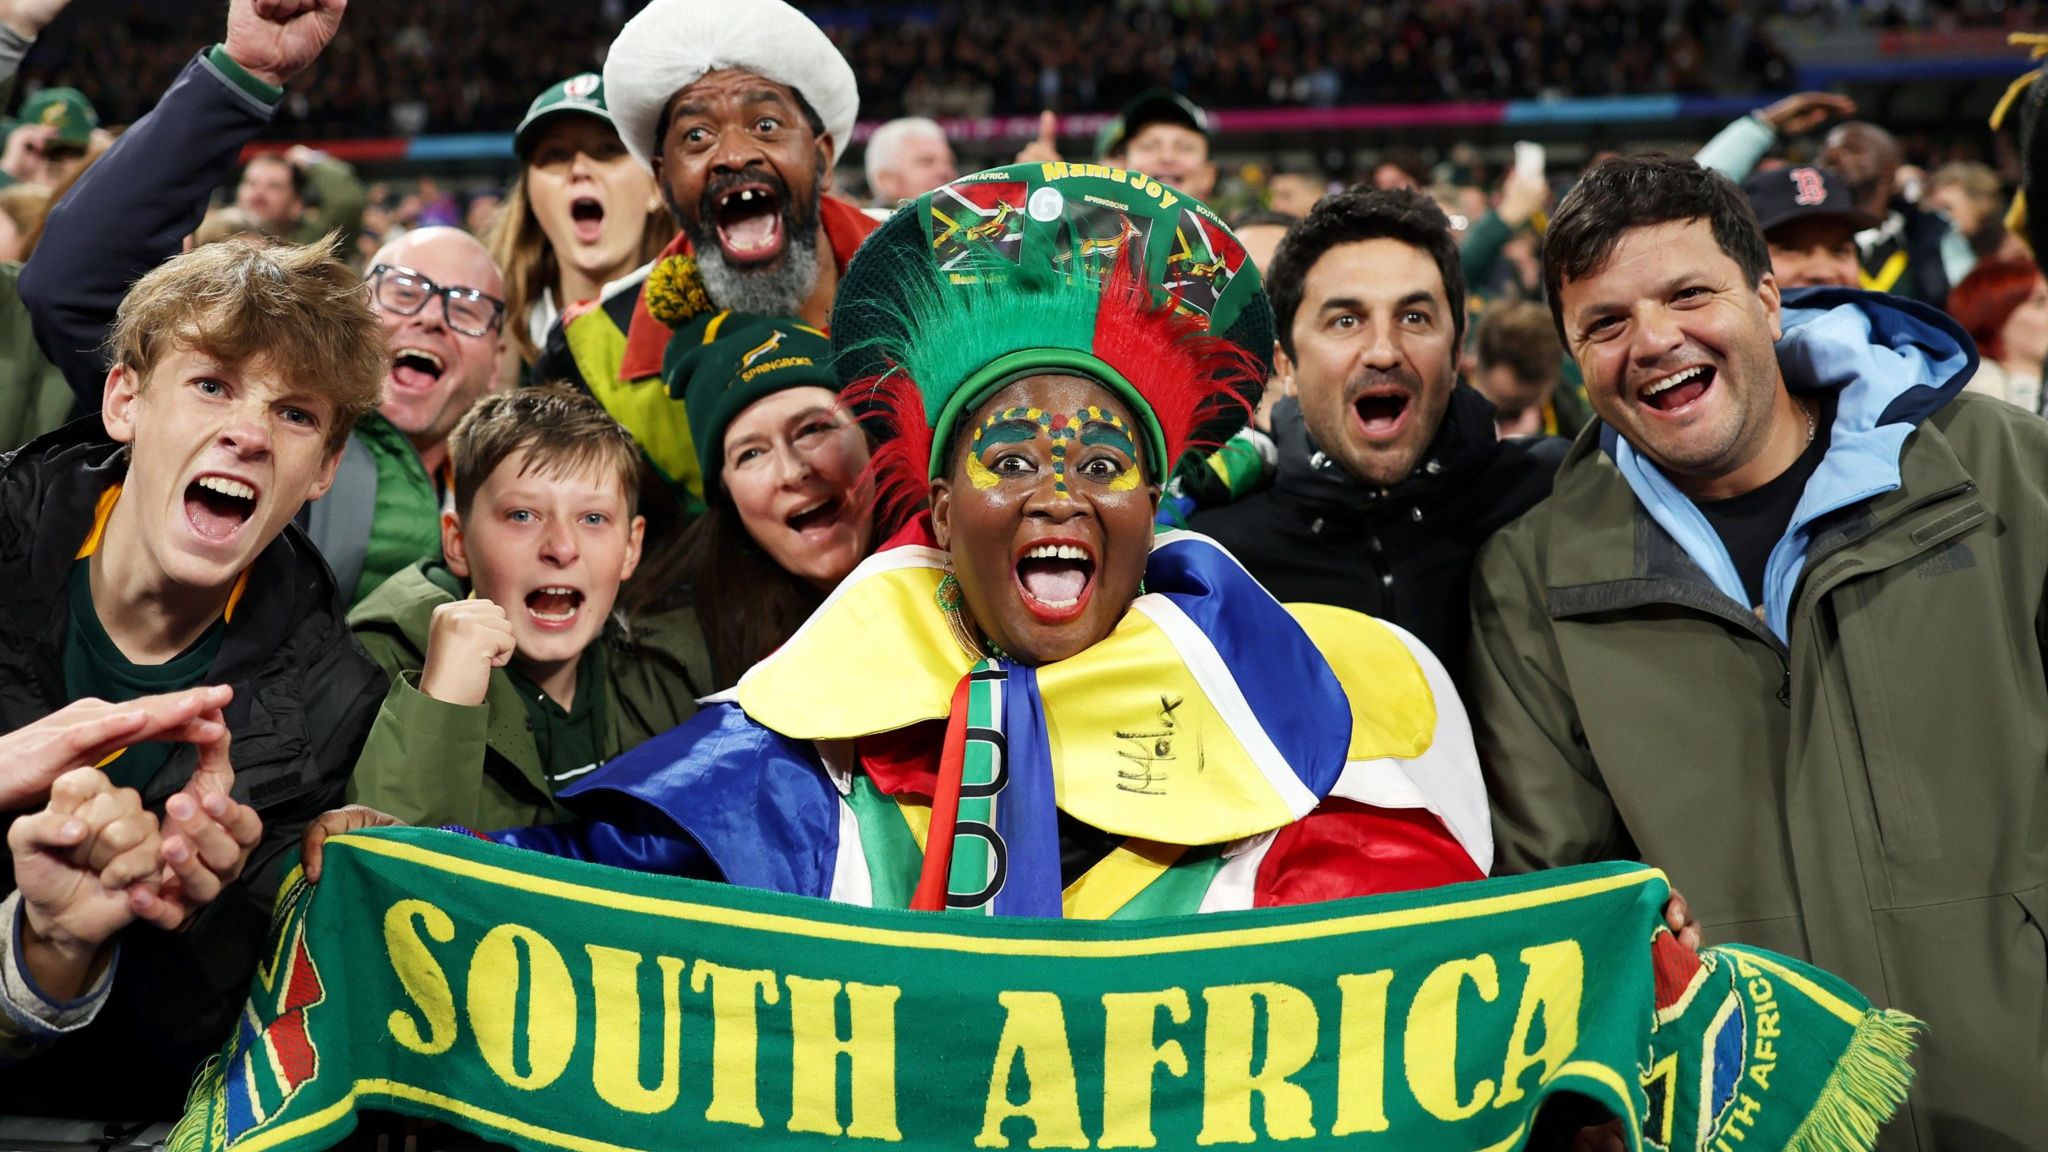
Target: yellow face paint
x=1089, y=426
x=978, y=473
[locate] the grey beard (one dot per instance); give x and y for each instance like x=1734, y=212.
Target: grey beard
x=778, y=290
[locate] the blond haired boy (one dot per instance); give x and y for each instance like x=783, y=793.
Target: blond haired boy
x=511, y=673
x=151, y=550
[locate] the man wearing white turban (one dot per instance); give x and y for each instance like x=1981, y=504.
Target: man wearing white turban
x=740, y=108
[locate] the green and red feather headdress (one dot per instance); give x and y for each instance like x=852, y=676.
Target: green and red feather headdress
x=1048, y=268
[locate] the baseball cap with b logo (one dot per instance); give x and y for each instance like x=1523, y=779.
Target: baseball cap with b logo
x=1783, y=195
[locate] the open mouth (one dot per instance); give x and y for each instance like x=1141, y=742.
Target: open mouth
x=749, y=220
x=586, y=215
x=217, y=506
x=1382, y=413
x=416, y=368
x=817, y=518
x=554, y=606
x=1673, y=392
x=1055, y=577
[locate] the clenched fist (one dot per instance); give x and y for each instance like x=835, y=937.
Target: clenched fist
x=74, y=863
x=466, y=640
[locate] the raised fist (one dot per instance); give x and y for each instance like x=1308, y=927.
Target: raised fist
x=466, y=640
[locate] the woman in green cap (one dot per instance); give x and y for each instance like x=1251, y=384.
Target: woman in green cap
x=787, y=497
x=581, y=214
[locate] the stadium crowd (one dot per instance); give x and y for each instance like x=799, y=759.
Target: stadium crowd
x=1698, y=503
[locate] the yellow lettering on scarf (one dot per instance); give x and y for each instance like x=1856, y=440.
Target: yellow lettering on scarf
x=495, y=987
x=1432, y=1037
x=1052, y=171
x=735, y=1038
x=1229, y=1083
x=1557, y=983
x=420, y=974
x=1034, y=1031
x=1130, y=1051
x=615, y=1072
x=1362, y=1053
x=815, y=1050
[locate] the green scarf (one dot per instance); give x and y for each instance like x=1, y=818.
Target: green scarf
x=549, y=1003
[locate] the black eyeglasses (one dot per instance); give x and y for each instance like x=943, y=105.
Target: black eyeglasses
x=404, y=292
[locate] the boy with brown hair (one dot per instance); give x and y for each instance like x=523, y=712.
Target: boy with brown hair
x=511, y=674
x=151, y=551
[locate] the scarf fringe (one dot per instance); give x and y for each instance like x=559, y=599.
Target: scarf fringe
x=190, y=1135
x=1866, y=1087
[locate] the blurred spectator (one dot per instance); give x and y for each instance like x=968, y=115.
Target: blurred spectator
x=456, y=73
x=1520, y=364
x=1491, y=269
x=56, y=193
x=69, y=120
x=226, y=223
x=481, y=212
x=2003, y=305
x=1810, y=224
x=1401, y=168
x=1973, y=199
x=906, y=158
x=301, y=195
x=21, y=216
x=1390, y=475
x=1903, y=254
x=1166, y=136
x=272, y=193
x=1294, y=193
x=1261, y=233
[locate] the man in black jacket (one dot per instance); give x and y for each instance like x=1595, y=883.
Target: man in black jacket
x=150, y=550
x=1390, y=476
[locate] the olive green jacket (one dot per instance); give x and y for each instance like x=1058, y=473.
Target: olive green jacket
x=34, y=398
x=1871, y=797
x=430, y=762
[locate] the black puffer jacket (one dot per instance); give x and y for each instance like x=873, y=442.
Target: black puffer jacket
x=1403, y=554
x=305, y=696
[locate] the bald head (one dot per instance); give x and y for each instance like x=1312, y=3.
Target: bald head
x=1867, y=159
x=437, y=369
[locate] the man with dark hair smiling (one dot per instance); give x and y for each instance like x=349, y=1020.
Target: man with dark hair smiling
x=1390, y=475
x=741, y=113
x=1779, y=631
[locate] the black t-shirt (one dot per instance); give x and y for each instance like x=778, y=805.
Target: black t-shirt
x=1750, y=525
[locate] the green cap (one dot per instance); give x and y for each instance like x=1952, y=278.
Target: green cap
x=68, y=109
x=582, y=94
x=722, y=362
x=1158, y=106
x=1004, y=274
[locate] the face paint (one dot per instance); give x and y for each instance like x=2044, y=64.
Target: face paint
x=1041, y=608
x=1091, y=426
x=1106, y=429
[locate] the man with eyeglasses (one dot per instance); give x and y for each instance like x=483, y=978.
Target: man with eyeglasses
x=442, y=302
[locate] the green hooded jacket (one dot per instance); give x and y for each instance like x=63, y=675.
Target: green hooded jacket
x=1869, y=793
x=430, y=762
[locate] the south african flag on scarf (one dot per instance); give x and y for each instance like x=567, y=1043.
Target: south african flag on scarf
x=555, y=1004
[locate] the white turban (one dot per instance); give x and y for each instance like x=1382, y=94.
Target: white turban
x=671, y=44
